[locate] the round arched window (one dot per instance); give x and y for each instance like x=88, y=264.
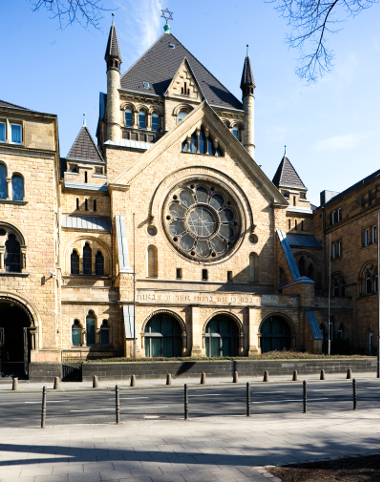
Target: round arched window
x=202, y=220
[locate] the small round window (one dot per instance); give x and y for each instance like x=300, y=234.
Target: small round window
x=202, y=220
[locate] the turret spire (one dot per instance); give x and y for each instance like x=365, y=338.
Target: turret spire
x=113, y=49
x=247, y=79
x=247, y=85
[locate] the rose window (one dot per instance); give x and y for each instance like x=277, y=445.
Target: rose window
x=201, y=220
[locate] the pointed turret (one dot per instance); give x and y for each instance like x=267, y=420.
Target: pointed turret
x=247, y=85
x=113, y=60
x=286, y=176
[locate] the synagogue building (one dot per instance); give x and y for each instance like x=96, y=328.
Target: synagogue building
x=160, y=236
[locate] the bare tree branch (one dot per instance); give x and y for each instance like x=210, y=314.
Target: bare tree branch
x=85, y=12
x=311, y=22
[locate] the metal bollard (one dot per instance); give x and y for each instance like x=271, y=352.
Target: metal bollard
x=168, y=379
x=248, y=400
x=15, y=384
x=95, y=381
x=295, y=376
x=349, y=374
x=133, y=380
x=266, y=376
x=56, y=385
x=354, y=393
x=186, y=402
x=304, y=397
x=117, y=399
x=235, y=378
x=203, y=378
x=43, y=410
x=323, y=375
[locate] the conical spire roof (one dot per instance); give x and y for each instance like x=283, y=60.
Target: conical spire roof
x=286, y=176
x=84, y=147
x=247, y=78
x=113, y=49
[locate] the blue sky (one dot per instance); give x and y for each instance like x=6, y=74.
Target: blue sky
x=331, y=129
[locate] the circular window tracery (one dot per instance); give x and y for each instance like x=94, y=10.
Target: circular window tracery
x=201, y=220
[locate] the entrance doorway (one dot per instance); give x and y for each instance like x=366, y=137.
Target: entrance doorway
x=221, y=337
x=15, y=340
x=275, y=334
x=163, y=336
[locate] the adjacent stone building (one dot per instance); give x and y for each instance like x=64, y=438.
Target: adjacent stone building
x=164, y=237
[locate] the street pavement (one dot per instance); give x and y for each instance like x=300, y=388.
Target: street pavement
x=213, y=449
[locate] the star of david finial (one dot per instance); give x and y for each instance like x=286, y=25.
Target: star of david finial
x=167, y=15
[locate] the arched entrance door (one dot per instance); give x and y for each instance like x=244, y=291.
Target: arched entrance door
x=14, y=339
x=275, y=334
x=163, y=336
x=221, y=337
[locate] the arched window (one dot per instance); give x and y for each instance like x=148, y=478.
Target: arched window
x=210, y=147
x=193, y=143
x=12, y=255
x=302, y=266
x=76, y=333
x=163, y=336
x=235, y=132
x=221, y=337
x=3, y=182
x=201, y=142
x=338, y=286
x=128, y=117
x=99, y=264
x=104, y=336
x=368, y=283
x=369, y=279
x=152, y=262
x=253, y=269
x=341, y=333
x=142, y=119
x=17, y=188
x=155, y=122
x=181, y=115
x=311, y=272
x=275, y=334
x=90, y=329
x=282, y=277
x=74, y=261
x=87, y=259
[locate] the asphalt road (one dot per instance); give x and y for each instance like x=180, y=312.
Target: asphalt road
x=98, y=407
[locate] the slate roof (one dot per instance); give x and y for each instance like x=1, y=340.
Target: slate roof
x=303, y=241
x=3, y=103
x=247, y=78
x=84, y=147
x=286, y=176
x=159, y=64
x=113, y=49
x=86, y=222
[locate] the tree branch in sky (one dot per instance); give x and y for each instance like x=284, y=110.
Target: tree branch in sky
x=85, y=12
x=311, y=21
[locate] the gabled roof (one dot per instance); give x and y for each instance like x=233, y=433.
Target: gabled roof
x=159, y=64
x=84, y=147
x=286, y=176
x=113, y=49
x=3, y=103
x=247, y=78
x=205, y=114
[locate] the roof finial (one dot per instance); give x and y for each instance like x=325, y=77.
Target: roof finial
x=167, y=15
x=113, y=19
x=247, y=50
x=84, y=119
x=284, y=151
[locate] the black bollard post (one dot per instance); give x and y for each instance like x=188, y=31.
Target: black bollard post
x=43, y=410
x=117, y=399
x=354, y=392
x=186, y=402
x=248, y=400
x=304, y=397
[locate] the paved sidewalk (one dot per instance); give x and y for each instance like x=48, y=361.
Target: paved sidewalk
x=26, y=386
x=210, y=449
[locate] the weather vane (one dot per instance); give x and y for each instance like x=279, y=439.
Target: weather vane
x=167, y=15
